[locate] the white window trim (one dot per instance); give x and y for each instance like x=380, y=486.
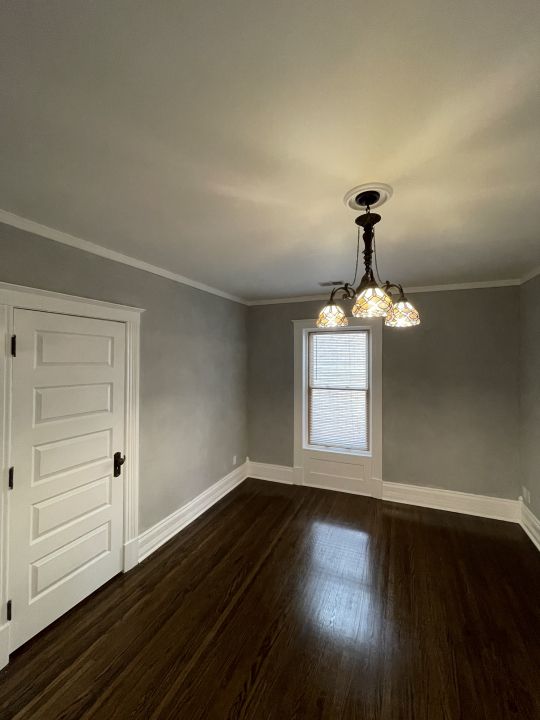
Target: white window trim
x=305, y=395
x=16, y=296
x=302, y=328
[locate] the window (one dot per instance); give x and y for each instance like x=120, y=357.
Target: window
x=338, y=390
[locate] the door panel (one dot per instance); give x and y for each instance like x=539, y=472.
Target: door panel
x=69, y=559
x=68, y=455
x=58, y=511
x=66, y=509
x=58, y=348
x=64, y=402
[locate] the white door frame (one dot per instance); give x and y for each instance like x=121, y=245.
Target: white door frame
x=16, y=296
x=301, y=330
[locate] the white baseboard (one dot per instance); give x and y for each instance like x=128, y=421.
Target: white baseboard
x=452, y=501
x=449, y=500
x=167, y=528
x=4, y=645
x=274, y=473
x=531, y=524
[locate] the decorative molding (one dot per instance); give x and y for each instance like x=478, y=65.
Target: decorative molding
x=408, y=290
x=298, y=475
x=480, y=285
x=377, y=485
x=4, y=645
x=530, y=275
x=362, y=466
x=36, y=228
x=35, y=299
x=273, y=473
x=6, y=329
x=131, y=554
x=279, y=301
x=58, y=236
x=368, y=489
x=531, y=524
x=131, y=468
x=156, y=536
x=449, y=500
x=453, y=501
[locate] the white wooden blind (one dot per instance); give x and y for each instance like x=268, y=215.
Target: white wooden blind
x=338, y=389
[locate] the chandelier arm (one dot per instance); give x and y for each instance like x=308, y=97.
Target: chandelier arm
x=347, y=290
x=388, y=285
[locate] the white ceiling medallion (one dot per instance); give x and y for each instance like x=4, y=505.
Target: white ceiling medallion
x=379, y=193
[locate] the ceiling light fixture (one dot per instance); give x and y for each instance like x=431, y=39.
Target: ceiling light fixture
x=372, y=298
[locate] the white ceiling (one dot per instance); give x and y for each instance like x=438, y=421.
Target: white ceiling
x=216, y=139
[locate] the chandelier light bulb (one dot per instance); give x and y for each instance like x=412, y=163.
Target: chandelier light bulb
x=332, y=316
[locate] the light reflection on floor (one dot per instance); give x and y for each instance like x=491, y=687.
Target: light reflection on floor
x=339, y=598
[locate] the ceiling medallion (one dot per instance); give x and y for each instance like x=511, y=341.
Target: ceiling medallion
x=372, y=298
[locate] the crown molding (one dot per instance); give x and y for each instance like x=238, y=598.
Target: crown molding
x=66, y=239
x=279, y=301
x=58, y=236
x=464, y=286
x=411, y=290
x=530, y=275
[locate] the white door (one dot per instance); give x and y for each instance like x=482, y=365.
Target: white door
x=66, y=508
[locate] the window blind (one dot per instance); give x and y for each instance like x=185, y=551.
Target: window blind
x=338, y=389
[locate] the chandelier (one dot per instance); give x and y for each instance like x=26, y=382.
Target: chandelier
x=372, y=298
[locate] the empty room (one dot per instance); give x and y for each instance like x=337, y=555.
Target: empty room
x=269, y=360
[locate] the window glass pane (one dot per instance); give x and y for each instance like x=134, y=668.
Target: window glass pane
x=338, y=419
x=338, y=395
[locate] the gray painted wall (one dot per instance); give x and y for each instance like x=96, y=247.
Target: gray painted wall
x=450, y=391
x=193, y=364
x=530, y=390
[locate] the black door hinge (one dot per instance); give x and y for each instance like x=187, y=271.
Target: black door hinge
x=11, y=473
x=9, y=610
x=14, y=346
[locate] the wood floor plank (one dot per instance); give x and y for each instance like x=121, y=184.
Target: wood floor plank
x=285, y=602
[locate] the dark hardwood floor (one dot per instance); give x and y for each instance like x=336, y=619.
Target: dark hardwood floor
x=284, y=602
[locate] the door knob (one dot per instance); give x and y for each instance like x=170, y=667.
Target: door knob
x=118, y=462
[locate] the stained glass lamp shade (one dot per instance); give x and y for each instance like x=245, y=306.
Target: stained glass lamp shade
x=332, y=316
x=372, y=302
x=402, y=314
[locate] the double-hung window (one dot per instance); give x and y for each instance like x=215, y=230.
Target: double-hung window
x=338, y=390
